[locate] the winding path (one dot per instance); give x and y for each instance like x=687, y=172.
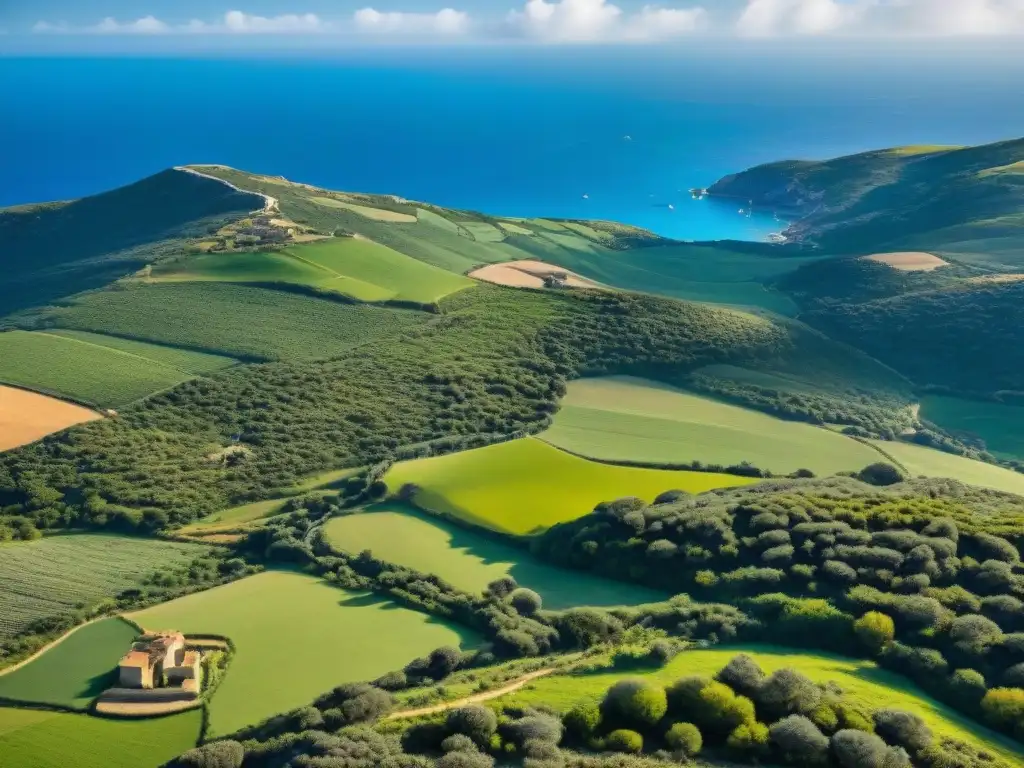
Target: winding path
x=476, y=698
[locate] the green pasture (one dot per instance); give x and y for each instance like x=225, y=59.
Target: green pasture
x=863, y=682
x=188, y=360
x=524, y=486
x=33, y=738
x=622, y=418
x=297, y=637
x=235, y=516
x=927, y=462
x=391, y=275
x=50, y=576
x=76, y=670
x=1000, y=426
x=244, y=267
x=483, y=232
x=242, y=321
x=81, y=371
x=323, y=480
x=399, y=534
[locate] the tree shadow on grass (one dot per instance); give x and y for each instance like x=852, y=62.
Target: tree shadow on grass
x=559, y=588
x=369, y=600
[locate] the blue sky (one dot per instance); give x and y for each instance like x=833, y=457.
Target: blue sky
x=100, y=25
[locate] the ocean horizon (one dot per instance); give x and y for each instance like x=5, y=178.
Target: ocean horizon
x=569, y=136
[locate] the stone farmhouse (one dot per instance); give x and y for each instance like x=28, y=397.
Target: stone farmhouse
x=159, y=657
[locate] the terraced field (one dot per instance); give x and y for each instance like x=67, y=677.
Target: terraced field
x=1000, y=426
x=76, y=670
x=926, y=462
x=242, y=321
x=400, y=534
x=861, y=681
x=295, y=638
x=627, y=419
x=32, y=738
x=524, y=486
x=37, y=575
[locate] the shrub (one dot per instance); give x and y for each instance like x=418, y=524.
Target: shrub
x=583, y=720
x=475, y=721
x=536, y=727
x=525, y=601
x=742, y=674
x=880, y=473
x=634, y=702
x=1004, y=708
x=623, y=740
x=501, y=588
x=787, y=692
x=1014, y=676
x=875, y=630
x=902, y=729
x=750, y=737
x=584, y=627
x=443, y=661
x=720, y=710
x=800, y=740
x=684, y=694
x=974, y=634
x=968, y=686
x=466, y=760
x=216, y=754
x=825, y=717
x=857, y=749
x=685, y=738
x=458, y=743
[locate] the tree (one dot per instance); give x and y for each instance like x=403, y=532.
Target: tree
x=974, y=634
x=623, y=740
x=501, y=588
x=216, y=754
x=466, y=760
x=857, y=749
x=634, y=702
x=720, y=710
x=902, y=729
x=475, y=721
x=875, y=630
x=880, y=473
x=525, y=601
x=685, y=738
x=800, y=741
x=750, y=737
x=787, y=692
x=443, y=661
x=537, y=727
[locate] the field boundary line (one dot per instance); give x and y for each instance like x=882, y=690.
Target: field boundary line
x=115, y=351
x=475, y=698
x=49, y=645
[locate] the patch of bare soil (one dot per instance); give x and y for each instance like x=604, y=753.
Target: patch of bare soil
x=909, y=261
x=28, y=416
x=527, y=273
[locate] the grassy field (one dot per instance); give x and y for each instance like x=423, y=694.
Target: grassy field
x=236, y=320
x=41, y=739
x=399, y=534
x=623, y=418
x=235, y=516
x=81, y=371
x=863, y=682
x=187, y=360
x=354, y=267
x=297, y=637
x=1000, y=426
x=37, y=576
x=76, y=670
x=524, y=486
x=927, y=462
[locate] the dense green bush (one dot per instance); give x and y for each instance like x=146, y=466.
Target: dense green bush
x=636, y=703
x=684, y=738
x=624, y=740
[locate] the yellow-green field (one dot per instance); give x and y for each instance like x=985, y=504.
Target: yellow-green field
x=524, y=486
x=32, y=738
x=297, y=637
x=621, y=418
x=235, y=516
x=351, y=266
x=1000, y=426
x=863, y=682
x=74, y=671
x=469, y=561
x=378, y=214
x=926, y=462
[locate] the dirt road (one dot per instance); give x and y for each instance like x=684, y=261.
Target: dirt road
x=476, y=698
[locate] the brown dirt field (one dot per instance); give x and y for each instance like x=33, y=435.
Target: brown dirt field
x=28, y=416
x=527, y=273
x=1009, y=278
x=144, y=709
x=909, y=261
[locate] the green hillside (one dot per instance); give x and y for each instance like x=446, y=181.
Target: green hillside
x=53, y=250
x=960, y=199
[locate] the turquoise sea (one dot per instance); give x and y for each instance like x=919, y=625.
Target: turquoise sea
x=568, y=133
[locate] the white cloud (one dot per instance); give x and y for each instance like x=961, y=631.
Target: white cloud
x=447, y=21
x=237, y=22
x=580, y=21
x=892, y=18
x=147, y=25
